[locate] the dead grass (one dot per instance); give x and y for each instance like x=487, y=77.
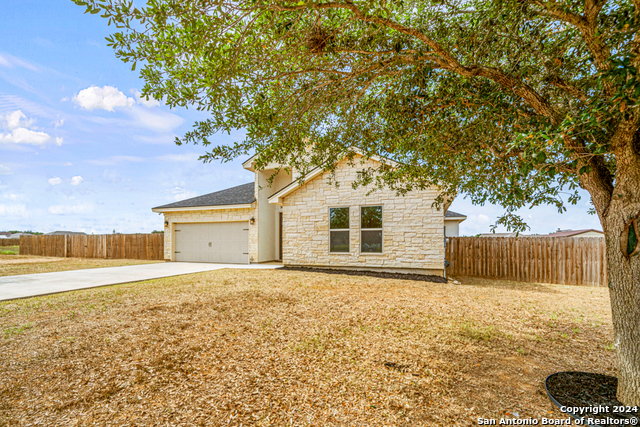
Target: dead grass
x=11, y=265
x=254, y=347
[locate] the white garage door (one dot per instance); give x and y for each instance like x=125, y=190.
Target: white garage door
x=224, y=242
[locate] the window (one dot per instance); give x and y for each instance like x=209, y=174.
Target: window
x=371, y=229
x=338, y=229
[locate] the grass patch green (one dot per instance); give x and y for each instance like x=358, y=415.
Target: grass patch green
x=478, y=332
x=9, y=250
x=14, y=330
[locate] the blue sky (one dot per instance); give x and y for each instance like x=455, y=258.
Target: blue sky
x=79, y=150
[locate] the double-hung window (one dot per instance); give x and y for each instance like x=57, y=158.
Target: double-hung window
x=371, y=229
x=339, y=230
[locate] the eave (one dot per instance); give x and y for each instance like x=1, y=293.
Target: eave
x=202, y=208
x=276, y=198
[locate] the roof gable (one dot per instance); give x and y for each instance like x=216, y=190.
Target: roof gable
x=314, y=173
x=452, y=214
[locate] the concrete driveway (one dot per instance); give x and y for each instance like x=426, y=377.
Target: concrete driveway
x=30, y=285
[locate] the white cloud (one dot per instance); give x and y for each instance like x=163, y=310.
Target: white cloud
x=14, y=210
x=102, y=98
x=5, y=170
x=15, y=120
x=113, y=176
x=142, y=100
x=483, y=218
x=76, y=180
x=167, y=138
x=58, y=141
x=25, y=136
x=68, y=164
x=186, y=157
x=13, y=197
x=110, y=161
x=58, y=123
x=157, y=120
x=10, y=61
x=179, y=193
x=55, y=181
x=18, y=125
x=83, y=208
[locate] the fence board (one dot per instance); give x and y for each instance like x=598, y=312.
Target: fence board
x=119, y=246
x=561, y=260
x=9, y=242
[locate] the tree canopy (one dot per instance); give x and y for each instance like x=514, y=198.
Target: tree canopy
x=515, y=102
x=512, y=102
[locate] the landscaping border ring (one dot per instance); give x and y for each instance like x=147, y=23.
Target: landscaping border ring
x=592, y=390
x=553, y=399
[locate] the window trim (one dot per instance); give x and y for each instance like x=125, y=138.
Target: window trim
x=372, y=229
x=348, y=230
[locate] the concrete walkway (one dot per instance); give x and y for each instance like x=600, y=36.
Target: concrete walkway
x=30, y=285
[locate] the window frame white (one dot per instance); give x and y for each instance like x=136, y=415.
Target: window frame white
x=372, y=229
x=348, y=230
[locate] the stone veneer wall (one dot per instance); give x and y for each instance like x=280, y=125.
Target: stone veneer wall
x=211, y=216
x=412, y=229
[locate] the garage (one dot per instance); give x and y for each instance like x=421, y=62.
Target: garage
x=220, y=242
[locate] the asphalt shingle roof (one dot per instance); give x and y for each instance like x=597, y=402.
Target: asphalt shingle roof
x=240, y=195
x=570, y=233
x=450, y=214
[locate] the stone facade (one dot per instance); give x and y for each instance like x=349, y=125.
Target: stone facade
x=220, y=215
x=412, y=229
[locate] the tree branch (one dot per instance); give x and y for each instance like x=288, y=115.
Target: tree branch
x=445, y=59
x=569, y=88
x=587, y=25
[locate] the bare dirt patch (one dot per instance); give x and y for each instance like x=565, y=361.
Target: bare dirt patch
x=256, y=347
x=11, y=265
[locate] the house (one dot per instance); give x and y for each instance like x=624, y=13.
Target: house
x=452, y=222
x=64, y=233
x=17, y=235
x=577, y=233
x=311, y=222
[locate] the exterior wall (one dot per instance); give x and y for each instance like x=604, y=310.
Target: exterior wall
x=265, y=217
x=452, y=228
x=221, y=215
x=267, y=214
x=590, y=234
x=412, y=228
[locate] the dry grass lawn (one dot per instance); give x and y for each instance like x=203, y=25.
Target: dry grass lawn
x=11, y=265
x=252, y=347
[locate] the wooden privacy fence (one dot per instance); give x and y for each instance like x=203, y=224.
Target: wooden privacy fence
x=560, y=260
x=9, y=242
x=111, y=246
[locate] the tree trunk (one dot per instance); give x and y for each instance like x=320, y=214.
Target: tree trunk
x=618, y=204
x=624, y=290
x=623, y=274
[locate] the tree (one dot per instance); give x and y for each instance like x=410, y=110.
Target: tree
x=516, y=102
